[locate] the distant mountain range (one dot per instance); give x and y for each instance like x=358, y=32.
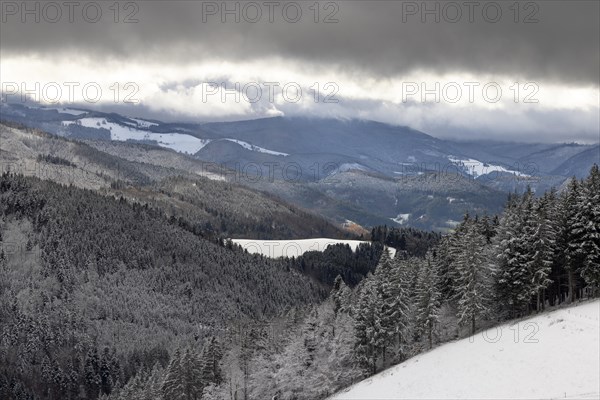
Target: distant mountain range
x=348, y=170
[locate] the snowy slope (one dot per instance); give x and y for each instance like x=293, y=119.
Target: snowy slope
x=179, y=142
x=549, y=356
x=401, y=218
x=477, y=168
x=252, y=147
x=293, y=248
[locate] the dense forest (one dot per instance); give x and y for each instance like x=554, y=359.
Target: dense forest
x=87, y=279
x=353, y=266
x=123, y=304
x=411, y=241
x=208, y=206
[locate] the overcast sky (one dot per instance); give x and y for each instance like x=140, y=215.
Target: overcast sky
x=365, y=59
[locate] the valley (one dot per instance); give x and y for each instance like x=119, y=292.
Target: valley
x=328, y=165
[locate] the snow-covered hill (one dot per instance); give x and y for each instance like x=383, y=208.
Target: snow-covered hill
x=550, y=356
x=294, y=248
x=177, y=141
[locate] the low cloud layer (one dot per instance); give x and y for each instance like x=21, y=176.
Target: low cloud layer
x=370, y=49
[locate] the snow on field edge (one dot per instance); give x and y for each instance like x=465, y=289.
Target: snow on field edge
x=293, y=248
x=554, y=355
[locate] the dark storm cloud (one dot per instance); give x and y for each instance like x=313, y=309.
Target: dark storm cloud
x=370, y=37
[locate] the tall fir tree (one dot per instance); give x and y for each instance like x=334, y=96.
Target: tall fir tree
x=543, y=250
x=472, y=285
x=387, y=297
x=340, y=295
x=428, y=301
x=575, y=234
x=400, y=302
x=369, y=337
x=172, y=385
x=512, y=245
x=589, y=228
x=211, y=362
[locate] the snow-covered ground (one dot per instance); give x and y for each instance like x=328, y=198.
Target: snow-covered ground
x=252, y=147
x=293, y=248
x=550, y=356
x=401, y=218
x=477, y=168
x=177, y=141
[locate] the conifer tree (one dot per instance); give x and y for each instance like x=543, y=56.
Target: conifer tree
x=368, y=327
x=172, y=385
x=387, y=296
x=513, y=272
x=192, y=375
x=211, y=362
x=574, y=233
x=589, y=227
x=428, y=298
x=399, y=302
x=340, y=295
x=543, y=249
x=472, y=284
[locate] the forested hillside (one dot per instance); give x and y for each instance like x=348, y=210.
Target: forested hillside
x=109, y=299
x=121, y=286
x=211, y=202
x=93, y=288
x=541, y=252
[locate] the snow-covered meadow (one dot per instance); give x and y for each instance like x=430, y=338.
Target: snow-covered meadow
x=294, y=248
x=554, y=355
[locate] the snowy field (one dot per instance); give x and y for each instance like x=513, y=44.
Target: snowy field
x=179, y=142
x=550, y=356
x=401, y=218
x=252, y=147
x=293, y=248
x=477, y=168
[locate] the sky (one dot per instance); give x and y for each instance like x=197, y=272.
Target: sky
x=499, y=70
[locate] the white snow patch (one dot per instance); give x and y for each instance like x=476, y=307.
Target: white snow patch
x=401, y=218
x=294, y=248
x=549, y=356
x=252, y=147
x=177, y=141
x=477, y=168
x=210, y=175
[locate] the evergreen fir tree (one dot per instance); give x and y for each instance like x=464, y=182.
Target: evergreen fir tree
x=575, y=234
x=211, y=362
x=428, y=298
x=340, y=295
x=92, y=373
x=513, y=272
x=589, y=228
x=368, y=327
x=400, y=301
x=191, y=377
x=172, y=385
x=472, y=285
x=387, y=311
x=543, y=250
